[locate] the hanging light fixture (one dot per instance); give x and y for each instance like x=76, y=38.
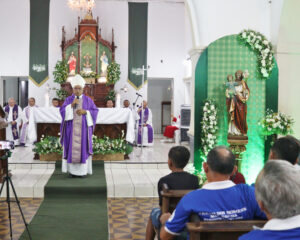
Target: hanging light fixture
x=82, y=5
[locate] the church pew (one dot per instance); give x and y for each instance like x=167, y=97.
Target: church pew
x=221, y=230
x=170, y=198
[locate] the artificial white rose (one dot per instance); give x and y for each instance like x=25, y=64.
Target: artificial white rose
x=244, y=34
x=263, y=63
x=265, y=42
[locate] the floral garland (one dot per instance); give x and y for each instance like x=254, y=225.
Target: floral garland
x=262, y=47
x=276, y=123
x=209, y=127
x=89, y=74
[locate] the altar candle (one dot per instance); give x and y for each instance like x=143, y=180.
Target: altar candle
x=118, y=100
x=47, y=99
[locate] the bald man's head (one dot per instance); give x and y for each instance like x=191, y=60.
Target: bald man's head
x=221, y=160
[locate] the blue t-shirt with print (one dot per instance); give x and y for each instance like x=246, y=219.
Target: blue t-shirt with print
x=233, y=203
x=291, y=234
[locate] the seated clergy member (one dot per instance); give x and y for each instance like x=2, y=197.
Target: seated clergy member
x=285, y=148
x=14, y=117
x=219, y=199
x=28, y=131
x=277, y=191
x=109, y=104
x=55, y=102
x=170, y=130
x=145, y=128
x=79, y=114
x=178, y=179
x=126, y=104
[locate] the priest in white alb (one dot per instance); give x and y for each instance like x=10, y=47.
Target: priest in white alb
x=14, y=118
x=79, y=115
x=28, y=131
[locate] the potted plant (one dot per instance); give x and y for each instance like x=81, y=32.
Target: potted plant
x=108, y=149
x=49, y=148
x=113, y=73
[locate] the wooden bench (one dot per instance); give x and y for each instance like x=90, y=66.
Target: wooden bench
x=221, y=230
x=170, y=198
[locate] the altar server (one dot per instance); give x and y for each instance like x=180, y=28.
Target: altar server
x=28, y=131
x=14, y=117
x=79, y=114
x=145, y=129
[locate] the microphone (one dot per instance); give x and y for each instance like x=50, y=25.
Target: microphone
x=75, y=105
x=138, y=94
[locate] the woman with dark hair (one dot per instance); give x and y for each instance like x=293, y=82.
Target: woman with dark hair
x=3, y=123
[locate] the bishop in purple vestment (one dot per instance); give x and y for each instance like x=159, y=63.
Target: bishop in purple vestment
x=79, y=115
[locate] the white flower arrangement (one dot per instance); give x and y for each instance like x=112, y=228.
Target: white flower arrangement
x=107, y=145
x=276, y=123
x=190, y=168
x=263, y=49
x=209, y=127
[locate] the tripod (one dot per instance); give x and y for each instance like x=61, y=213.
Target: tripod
x=9, y=183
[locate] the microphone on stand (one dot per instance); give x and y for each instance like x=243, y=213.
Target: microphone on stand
x=138, y=94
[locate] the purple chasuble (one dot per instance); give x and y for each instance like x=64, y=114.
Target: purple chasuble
x=66, y=129
x=15, y=115
x=149, y=127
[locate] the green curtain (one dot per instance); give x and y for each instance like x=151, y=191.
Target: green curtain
x=201, y=76
x=39, y=29
x=137, y=56
x=271, y=101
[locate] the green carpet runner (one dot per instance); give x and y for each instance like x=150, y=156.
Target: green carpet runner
x=73, y=208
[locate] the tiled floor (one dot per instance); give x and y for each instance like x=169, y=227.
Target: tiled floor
x=128, y=217
x=29, y=207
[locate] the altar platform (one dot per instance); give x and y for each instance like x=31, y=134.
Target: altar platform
x=136, y=177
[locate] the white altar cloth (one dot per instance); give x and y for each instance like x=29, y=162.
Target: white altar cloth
x=105, y=116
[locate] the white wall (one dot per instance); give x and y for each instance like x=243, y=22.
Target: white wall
x=288, y=58
x=213, y=19
x=14, y=47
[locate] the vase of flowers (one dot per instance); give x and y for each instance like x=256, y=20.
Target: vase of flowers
x=276, y=124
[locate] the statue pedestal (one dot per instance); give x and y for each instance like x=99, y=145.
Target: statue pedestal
x=237, y=144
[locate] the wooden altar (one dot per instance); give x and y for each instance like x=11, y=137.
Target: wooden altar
x=90, y=54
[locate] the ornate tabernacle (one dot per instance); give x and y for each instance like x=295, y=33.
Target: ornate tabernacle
x=89, y=55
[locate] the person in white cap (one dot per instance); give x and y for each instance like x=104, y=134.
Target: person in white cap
x=79, y=114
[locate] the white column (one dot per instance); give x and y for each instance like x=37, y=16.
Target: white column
x=195, y=55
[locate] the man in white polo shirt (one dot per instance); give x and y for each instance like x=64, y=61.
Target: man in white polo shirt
x=277, y=191
x=219, y=199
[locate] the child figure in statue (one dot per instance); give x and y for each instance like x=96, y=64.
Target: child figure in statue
x=230, y=86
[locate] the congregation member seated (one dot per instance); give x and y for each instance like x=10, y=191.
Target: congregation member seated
x=219, y=199
x=28, y=132
x=286, y=148
x=55, y=102
x=109, y=104
x=277, y=191
x=237, y=178
x=144, y=133
x=178, y=179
